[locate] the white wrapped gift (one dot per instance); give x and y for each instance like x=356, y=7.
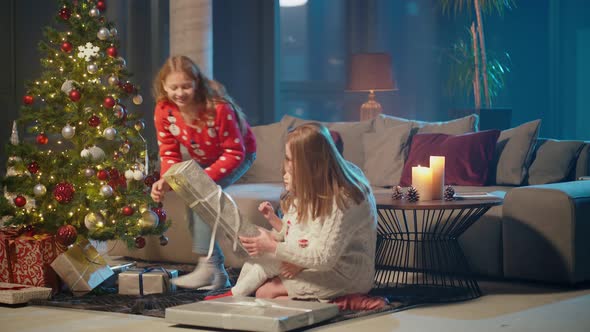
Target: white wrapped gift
x=211, y=204
x=18, y=294
x=251, y=314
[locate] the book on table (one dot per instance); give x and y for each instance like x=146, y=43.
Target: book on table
x=475, y=195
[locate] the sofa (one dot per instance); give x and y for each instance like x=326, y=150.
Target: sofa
x=539, y=233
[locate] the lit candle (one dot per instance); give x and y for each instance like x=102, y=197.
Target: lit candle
x=422, y=181
x=437, y=165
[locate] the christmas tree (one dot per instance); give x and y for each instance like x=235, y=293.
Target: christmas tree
x=87, y=171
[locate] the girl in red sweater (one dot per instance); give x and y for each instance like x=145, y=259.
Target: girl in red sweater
x=196, y=113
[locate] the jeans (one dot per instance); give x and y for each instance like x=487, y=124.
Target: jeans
x=201, y=232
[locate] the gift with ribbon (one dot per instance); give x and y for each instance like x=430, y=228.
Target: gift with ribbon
x=211, y=204
x=252, y=314
x=81, y=267
x=18, y=294
x=150, y=280
x=7, y=236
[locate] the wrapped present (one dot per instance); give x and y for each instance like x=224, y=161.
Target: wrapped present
x=210, y=203
x=252, y=314
x=7, y=236
x=33, y=256
x=18, y=294
x=113, y=280
x=153, y=280
x=81, y=267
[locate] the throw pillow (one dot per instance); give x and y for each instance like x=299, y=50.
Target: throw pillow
x=459, y=126
x=385, y=155
x=270, y=151
x=468, y=157
x=514, y=152
x=554, y=161
x=583, y=163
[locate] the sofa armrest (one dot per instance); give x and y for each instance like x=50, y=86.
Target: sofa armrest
x=545, y=232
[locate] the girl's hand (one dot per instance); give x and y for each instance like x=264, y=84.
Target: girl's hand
x=289, y=270
x=258, y=245
x=159, y=188
x=266, y=209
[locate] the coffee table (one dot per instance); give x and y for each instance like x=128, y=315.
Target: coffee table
x=418, y=254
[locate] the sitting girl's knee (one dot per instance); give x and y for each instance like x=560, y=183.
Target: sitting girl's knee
x=264, y=293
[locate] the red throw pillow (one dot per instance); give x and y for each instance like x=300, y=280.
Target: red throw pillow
x=468, y=157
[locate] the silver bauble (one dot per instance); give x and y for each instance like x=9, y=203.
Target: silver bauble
x=113, y=80
x=137, y=99
x=103, y=33
x=94, y=12
x=96, y=153
x=125, y=147
x=85, y=153
x=67, y=86
x=39, y=190
x=106, y=190
x=110, y=133
x=120, y=111
x=149, y=219
x=121, y=63
x=114, y=32
x=139, y=125
x=92, y=68
x=138, y=175
x=89, y=172
x=93, y=220
x=68, y=131
x=129, y=174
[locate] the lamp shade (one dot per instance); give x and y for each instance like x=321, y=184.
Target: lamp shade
x=371, y=72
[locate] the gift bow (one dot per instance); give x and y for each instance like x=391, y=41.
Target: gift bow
x=260, y=303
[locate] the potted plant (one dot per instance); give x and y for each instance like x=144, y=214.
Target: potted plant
x=472, y=70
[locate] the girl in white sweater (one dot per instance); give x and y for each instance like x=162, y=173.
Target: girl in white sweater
x=324, y=247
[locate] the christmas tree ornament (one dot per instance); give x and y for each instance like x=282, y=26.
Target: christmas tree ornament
x=113, y=80
x=68, y=86
x=139, y=242
x=75, y=95
x=159, y=211
x=149, y=180
x=138, y=175
x=66, y=235
x=21, y=201
x=449, y=193
x=398, y=193
x=28, y=99
x=106, y=190
x=14, y=134
x=94, y=12
x=94, y=121
x=42, y=139
x=33, y=167
x=97, y=154
x=66, y=47
x=129, y=174
x=108, y=102
x=413, y=195
x=137, y=99
x=127, y=210
x=121, y=63
x=88, y=51
x=65, y=13
x=109, y=133
x=102, y=175
x=163, y=240
x=149, y=220
x=89, y=172
x=139, y=125
x=101, y=5
x=112, y=52
x=128, y=87
x=125, y=148
x=114, y=173
x=39, y=190
x=120, y=112
x=64, y=192
x=92, y=68
x=93, y=220
x=68, y=131
x=103, y=33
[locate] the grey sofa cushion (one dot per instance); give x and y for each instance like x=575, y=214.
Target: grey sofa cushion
x=514, y=152
x=270, y=150
x=554, y=161
x=459, y=126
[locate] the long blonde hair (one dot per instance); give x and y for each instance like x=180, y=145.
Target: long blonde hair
x=208, y=92
x=320, y=175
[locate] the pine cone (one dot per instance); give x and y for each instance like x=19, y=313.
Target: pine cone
x=449, y=193
x=398, y=193
x=413, y=195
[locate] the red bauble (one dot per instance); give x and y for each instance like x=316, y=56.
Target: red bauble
x=149, y=180
x=75, y=95
x=33, y=167
x=101, y=5
x=112, y=52
x=139, y=242
x=114, y=173
x=20, y=201
x=156, y=175
x=28, y=99
x=66, y=47
x=160, y=212
x=102, y=175
x=108, y=102
x=66, y=235
x=127, y=210
x=65, y=13
x=94, y=121
x=42, y=139
x=64, y=192
x=128, y=87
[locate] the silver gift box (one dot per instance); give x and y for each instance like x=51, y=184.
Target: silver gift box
x=208, y=201
x=251, y=314
x=156, y=281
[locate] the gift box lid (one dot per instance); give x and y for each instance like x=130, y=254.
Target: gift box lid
x=248, y=313
x=17, y=294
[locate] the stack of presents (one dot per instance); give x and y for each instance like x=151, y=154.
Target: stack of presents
x=36, y=266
